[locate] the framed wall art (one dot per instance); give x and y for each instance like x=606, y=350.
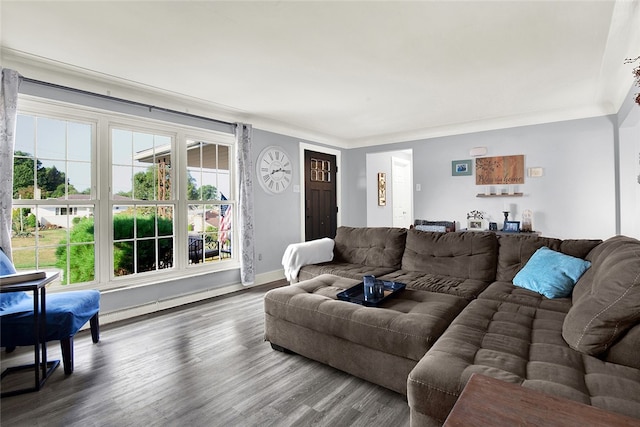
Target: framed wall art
x=500, y=170
x=460, y=167
x=382, y=189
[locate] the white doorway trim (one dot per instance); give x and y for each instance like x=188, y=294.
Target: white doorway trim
x=320, y=149
x=396, y=164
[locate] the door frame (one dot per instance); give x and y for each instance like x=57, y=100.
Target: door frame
x=409, y=165
x=320, y=149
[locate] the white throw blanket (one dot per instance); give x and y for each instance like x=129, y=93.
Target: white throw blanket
x=298, y=255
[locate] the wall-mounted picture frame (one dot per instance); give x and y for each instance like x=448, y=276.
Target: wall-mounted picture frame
x=461, y=167
x=511, y=226
x=382, y=189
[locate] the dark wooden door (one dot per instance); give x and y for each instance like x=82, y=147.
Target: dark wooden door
x=321, y=209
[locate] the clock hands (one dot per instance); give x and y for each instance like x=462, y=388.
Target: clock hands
x=277, y=170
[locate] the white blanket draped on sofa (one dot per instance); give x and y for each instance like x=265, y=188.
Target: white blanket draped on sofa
x=298, y=255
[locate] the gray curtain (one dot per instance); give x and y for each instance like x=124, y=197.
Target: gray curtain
x=245, y=204
x=8, y=115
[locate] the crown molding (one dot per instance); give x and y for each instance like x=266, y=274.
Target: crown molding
x=59, y=73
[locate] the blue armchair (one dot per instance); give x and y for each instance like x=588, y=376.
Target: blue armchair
x=67, y=312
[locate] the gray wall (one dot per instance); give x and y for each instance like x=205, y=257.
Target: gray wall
x=277, y=216
x=380, y=216
x=578, y=161
x=629, y=166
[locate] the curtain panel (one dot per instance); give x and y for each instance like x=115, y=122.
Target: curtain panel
x=245, y=204
x=8, y=114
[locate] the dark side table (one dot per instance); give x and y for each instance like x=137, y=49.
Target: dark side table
x=486, y=401
x=41, y=367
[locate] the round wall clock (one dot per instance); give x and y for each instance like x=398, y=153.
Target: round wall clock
x=274, y=169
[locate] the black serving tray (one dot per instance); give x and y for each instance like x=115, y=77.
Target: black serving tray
x=356, y=293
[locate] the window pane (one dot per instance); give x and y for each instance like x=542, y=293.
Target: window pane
x=223, y=157
x=144, y=183
x=52, y=138
x=25, y=135
x=23, y=177
x=79, y=177
x=145, y=221
x=146, y=255
x=194, y=176
x=123, y=258
x=51, y=179
x=165, y=253
x=136, y=229
x=165, y=220
x=81, y=263
x=209, y=186
x=122, y=223
x=24, y=257
x=55, y=238
x=142, y=142
x=79, y=141
x=122, y=182
x=122, y=144
x=142, y=165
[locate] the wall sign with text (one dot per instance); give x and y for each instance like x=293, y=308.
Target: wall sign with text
x=500, y=170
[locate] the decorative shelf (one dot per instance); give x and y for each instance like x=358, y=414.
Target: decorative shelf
x=499, y=195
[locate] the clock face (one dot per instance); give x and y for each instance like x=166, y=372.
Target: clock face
x=274, y=170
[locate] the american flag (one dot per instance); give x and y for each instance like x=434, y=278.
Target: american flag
x=225, y=223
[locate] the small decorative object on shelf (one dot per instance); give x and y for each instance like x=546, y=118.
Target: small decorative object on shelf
x=511, y=226
x=527, y=221
x=475, y=220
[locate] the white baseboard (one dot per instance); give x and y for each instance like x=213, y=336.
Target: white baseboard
x=115, y=316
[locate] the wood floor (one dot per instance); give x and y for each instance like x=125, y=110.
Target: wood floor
x=205, y=364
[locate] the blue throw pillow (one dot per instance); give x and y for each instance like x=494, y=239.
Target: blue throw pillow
x=550, y=273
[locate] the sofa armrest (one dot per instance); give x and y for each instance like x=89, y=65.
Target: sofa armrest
x=298, y=255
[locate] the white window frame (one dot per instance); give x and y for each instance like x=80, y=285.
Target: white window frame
x=103, y=121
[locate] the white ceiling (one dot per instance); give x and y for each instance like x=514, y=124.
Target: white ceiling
x=344, y=73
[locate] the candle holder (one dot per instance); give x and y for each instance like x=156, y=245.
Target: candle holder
x=506, y=215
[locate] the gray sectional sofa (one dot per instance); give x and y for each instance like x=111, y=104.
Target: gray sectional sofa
x=461, y=314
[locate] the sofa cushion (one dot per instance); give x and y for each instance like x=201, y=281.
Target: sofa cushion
x=625, y=350
x=508, y=292
x=515, y=251
x=466, y=255
x=342, y=269
x=550, y=273
x=370, y=246
x=406, y=325
x=609, y=298
x=522, y=345
x=465, y=288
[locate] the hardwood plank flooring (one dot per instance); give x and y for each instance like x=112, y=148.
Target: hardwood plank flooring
x=205, y=364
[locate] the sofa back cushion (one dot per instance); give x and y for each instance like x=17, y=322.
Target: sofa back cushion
x=516, y=250
x=467, y=255
x=606, y=301
x=371, y=246
x=625, y=350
